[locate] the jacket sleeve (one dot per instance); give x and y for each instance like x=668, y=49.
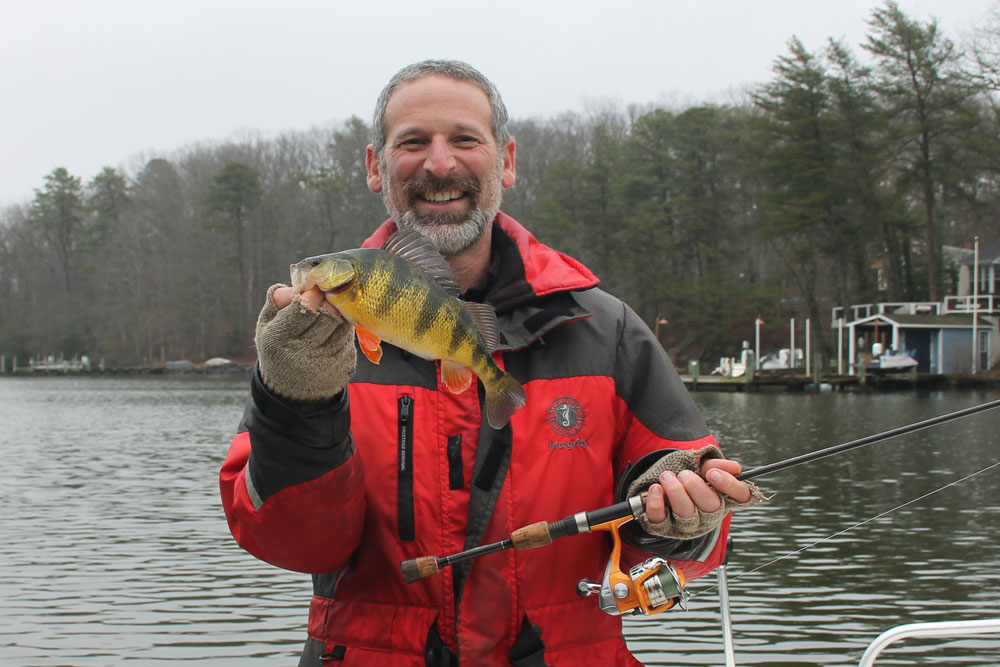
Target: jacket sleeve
x=660, y=415
x=292, y=484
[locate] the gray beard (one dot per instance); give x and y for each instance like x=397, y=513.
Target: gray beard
x=450, y=234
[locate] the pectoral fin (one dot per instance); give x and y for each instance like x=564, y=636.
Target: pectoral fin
x=371, y=344
x=456, y=377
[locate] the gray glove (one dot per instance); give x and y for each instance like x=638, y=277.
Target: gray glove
x=304, y=354
x=701, y=523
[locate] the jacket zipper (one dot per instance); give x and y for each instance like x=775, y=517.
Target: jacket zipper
x=404, y=496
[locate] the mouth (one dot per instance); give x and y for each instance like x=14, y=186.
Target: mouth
x=442, y=192
x=300, y=281
x=441, y=196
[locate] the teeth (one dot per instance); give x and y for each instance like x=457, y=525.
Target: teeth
x=443, y=196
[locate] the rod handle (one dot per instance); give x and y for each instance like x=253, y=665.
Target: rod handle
x=531, y=536
x=416, y=569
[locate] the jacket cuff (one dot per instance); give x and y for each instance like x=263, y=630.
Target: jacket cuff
x=634, y=536
x=292, y=441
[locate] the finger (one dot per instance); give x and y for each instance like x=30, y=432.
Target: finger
x=729, y=465
x=312, y=298
x=656, y=511
x=282, y=296
x=680, y=500
x=700, y=493
x=724, y=482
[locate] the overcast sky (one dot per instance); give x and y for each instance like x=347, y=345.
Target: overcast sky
x=112, y=82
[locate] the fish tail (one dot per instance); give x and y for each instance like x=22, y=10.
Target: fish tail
x=503, y=398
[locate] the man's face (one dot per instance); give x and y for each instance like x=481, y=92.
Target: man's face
x=441, y=171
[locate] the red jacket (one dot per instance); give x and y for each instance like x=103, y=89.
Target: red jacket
x=399, y=467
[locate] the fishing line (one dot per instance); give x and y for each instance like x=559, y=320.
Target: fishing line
x=848, y=529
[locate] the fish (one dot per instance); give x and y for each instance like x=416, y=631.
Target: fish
x=405, y=294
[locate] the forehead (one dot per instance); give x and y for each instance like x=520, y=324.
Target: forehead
x=438, y=103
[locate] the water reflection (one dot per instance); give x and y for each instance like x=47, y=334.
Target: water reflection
x=116, y=548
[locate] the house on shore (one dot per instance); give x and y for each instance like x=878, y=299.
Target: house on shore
x=960, y=334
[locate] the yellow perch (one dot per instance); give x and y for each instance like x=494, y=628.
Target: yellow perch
x=404, y=293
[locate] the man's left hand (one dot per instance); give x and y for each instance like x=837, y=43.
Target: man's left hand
x=687, y=492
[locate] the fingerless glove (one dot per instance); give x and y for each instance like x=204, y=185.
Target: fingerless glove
x=702, y=522
x=304, y=354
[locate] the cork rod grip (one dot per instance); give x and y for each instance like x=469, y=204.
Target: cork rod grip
x=530, y=537
x=416, y=569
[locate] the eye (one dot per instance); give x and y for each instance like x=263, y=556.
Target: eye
x=314, y=263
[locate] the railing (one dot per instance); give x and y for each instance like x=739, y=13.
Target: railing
x=939, y=629
x=988, y=304
x=964, y=304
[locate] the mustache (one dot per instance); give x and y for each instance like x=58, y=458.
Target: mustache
x=417, y=187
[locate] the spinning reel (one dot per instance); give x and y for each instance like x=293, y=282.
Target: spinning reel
x=651, y=587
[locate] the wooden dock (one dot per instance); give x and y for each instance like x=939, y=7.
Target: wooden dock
x=797, y=380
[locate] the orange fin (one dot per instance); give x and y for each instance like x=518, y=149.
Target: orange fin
x=371, y=344
x=456, y=376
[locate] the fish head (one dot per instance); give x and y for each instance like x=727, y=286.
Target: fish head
x=332, y=274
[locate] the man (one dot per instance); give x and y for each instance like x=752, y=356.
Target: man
x=345, y=485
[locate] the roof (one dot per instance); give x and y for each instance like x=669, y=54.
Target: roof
x=923, y=321
x=989, y=253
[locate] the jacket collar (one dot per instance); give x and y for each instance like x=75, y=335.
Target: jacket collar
x=532, y=288
x=541, y=271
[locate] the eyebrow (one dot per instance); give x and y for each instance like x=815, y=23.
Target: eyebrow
x=457, y=127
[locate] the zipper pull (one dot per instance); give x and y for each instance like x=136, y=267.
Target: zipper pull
x=404, y=408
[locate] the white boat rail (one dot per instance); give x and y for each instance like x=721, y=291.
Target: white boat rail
x=936, y=629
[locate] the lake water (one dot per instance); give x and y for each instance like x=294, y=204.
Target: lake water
x=115, y=550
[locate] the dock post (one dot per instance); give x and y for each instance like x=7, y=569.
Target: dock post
x=817, y=368
x=3, y=364
x=693, y=371
x=862, y=374
x=913, y=376
x=748, y=375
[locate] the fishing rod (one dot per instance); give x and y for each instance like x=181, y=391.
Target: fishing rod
x=654, y=585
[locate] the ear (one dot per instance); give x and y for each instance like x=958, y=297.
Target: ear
x=509, y=174
x=374, y=175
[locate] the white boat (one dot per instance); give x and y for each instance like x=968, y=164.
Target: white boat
x=780, y=360
x=892, y=360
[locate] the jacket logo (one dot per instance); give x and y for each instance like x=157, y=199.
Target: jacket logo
x=566, y=416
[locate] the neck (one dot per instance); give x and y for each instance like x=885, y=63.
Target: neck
x=470, y=266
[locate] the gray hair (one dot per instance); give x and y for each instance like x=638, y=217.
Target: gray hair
x=454, y=69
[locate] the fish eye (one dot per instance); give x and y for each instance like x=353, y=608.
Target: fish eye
x=314, y=263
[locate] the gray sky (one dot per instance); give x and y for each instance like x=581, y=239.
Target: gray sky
x=110, y=82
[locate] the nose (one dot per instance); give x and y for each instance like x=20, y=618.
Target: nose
x=439, y=159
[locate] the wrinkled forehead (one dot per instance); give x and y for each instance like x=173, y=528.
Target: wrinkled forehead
x=438, y=103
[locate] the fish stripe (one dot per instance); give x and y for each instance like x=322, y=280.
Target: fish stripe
x=459, y=336
x=427, y=313
x=383, y=296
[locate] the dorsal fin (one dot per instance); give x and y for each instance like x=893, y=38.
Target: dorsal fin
x=417, y=249
x=485, y=317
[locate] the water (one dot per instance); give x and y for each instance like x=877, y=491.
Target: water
x=115, y=550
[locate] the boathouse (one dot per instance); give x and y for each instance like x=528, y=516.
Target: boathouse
x=960, y=334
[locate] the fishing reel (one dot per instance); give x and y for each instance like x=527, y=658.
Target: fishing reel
x=649, y=588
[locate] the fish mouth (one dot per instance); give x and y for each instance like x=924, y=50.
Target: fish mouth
x=300, y=278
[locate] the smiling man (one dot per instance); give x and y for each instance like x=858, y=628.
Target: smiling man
x=344, y=469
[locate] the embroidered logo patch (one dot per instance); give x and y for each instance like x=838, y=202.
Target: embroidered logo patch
x=566, y=416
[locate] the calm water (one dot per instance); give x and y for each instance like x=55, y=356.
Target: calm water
x=114, y=548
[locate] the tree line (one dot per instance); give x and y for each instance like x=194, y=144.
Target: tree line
x=839, y=181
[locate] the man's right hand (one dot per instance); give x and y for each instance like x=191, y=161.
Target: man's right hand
x=305, y=349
